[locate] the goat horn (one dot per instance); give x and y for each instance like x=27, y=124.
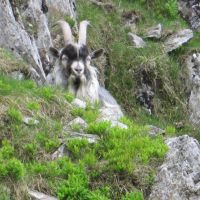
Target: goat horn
x=67, y=33
x=83, y=32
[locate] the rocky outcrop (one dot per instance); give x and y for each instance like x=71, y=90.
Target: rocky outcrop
x=177, y=39
x=40, y=196
x=14, y=37
x=66, y=7
x=190, y=11
x=154, y=32
x=25, y=30
x=193, y=82
x=179, y=176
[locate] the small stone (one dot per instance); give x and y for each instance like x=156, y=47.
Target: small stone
x=78, y=121
x=138, y=42
x=62, y=151
x=177, y=39
x=40, y=196
x=154, y=32
x=89, y=137
x=17, y=75
x=79, y=103
x=110, y=114
x=30, y=121
x=118, y=124
x=153, y=130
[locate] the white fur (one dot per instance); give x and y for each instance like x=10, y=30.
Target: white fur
x=88, y=89
x=77, y=65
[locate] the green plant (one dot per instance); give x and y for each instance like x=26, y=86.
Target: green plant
x=15, y=169
x=125, y=148
x=77, y=146
x=76, y=187
x=47, y=93
x=14, y=115
x=30, y=150
x=170, y=130
x=69, y=97
x=76, y=127
x=136, y=195
x=33, y=106
x=89, y=114
x=4, y=88
x=6, y=151
x=171, y=7
x=70, y=21
x=98, y=128
x=48, y=144
x=5, y=193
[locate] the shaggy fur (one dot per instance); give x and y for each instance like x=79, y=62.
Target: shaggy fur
x=73, y=68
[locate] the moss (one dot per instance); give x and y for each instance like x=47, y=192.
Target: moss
x=9, y=63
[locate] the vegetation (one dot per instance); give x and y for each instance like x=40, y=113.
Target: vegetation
x=25, y=149
x=122, y=165
x=165, y=73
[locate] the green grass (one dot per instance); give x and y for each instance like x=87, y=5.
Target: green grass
x=163, y=72
x=25, y=150
x=9, y=63
x=122, y=165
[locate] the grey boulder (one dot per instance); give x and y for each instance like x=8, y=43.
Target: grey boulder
x=179, y=176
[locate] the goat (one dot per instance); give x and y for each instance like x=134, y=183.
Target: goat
x=73, y=68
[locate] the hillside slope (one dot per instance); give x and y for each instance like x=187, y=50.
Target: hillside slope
x=35, y=122
x=53, y=144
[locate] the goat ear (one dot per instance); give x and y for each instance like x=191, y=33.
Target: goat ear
x=97, y=53
x=54, y=52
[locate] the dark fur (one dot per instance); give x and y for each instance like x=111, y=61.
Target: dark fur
x=72, y=55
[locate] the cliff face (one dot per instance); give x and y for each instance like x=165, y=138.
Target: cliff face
x=25, y=29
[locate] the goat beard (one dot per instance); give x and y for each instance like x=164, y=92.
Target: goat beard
x=75, y=82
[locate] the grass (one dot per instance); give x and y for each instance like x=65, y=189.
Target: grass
x=122, y=165
x=163, y=72
x=25, y=151
x=9, y=63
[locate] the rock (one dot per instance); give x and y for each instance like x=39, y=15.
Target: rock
x=154, y=32
x=40, y=196
x=17, y=75
x=79, y=103
x=190, y=11
x=13, y=36
x=138, y=42
x=78, y=121
x=38, y=20
x=66, y=7
x=179, y=176
x=154, y=131
x=110, y=114
x=30, y=121
x=193, y=87
x=145, y=96
x=177, y=39
x=62, y=151
x=89, y=137
x=118, y=124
